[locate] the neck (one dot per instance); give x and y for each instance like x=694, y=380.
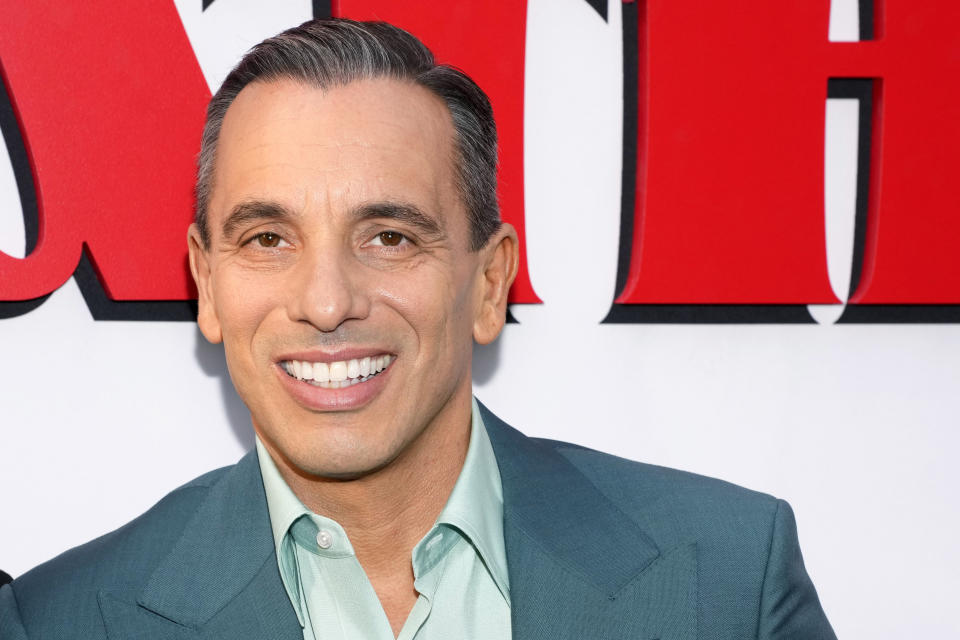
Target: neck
x=386, y=512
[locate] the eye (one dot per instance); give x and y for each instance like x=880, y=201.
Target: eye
x=388, y=239
x=268, y=240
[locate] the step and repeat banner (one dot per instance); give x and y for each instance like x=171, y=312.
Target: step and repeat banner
x=740, y=238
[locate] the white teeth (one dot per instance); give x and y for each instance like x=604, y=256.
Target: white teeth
x=353, y=369
x=337, y=375
x=321, y=371
x=338, y=371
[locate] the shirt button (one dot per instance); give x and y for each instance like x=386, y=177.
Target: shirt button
x=324, y=539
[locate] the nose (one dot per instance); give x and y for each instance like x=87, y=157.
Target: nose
x=329, y=290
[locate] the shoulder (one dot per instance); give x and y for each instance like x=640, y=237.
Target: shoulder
x=747, y=550
x=676, y=507
x=641, y=485
x=672, y=506
x=120, y=560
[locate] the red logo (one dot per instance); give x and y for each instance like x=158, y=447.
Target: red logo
x=723, y=216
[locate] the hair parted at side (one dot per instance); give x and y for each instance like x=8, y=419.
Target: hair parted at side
x=335, y=52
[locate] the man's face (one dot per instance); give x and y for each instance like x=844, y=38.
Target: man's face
x=339, y=246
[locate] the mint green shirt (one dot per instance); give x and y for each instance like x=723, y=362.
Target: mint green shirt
x=459, y=567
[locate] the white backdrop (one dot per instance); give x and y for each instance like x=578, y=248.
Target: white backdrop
x=855, y=425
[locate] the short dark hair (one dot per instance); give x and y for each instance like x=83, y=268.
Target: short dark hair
x=330, y=53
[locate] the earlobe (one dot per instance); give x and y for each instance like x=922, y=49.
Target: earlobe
x=500, y=269
x=207, y=318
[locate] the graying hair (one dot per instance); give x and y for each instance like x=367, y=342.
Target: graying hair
x=330, y=53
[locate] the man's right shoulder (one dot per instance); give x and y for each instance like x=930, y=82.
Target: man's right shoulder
x=120, y=561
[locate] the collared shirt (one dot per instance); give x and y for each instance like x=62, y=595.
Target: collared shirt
x=459, y=567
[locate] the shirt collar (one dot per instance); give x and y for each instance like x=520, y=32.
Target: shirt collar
x=474, y=510
x=285, y=509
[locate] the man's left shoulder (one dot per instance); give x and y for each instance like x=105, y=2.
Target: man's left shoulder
x=647, y=484
x=674, y=506
x=750, y=574
x=671, y=506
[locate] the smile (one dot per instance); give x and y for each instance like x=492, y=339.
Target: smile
x=339, y=374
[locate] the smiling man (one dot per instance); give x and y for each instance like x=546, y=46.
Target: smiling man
x=337, y=264
x=348, y=252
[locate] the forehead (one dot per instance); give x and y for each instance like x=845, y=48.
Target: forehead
x=310, y=148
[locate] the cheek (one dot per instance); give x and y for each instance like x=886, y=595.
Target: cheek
x=436, y=303
x=243, y=304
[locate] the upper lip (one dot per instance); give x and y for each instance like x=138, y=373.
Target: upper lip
x=343, y=354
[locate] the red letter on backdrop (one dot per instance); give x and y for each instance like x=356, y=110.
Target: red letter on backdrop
x=912, y=249
x=112, y=146
x=729, y=199
x=487, y=40
x=110, y=101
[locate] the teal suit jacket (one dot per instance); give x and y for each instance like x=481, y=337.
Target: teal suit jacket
x=597, y=547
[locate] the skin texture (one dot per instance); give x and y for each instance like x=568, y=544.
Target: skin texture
x=314, y=265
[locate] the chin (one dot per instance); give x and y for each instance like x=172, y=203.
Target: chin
x=339, y=459
x=341, y=469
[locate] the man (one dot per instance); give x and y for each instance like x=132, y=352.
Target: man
x=347, y=251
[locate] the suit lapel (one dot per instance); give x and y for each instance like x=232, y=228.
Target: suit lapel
x=221, y=579
x=578, y=566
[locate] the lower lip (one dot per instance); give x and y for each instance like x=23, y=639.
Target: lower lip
x=343, y=399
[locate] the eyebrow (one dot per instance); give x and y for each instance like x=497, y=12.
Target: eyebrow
x=253, y=211
x=401, y=212
x=245, y=213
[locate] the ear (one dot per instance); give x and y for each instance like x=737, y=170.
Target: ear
x=207, y=318
x=499, y=263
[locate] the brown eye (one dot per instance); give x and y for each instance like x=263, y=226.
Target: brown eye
x=270, y=240
x=390, y=238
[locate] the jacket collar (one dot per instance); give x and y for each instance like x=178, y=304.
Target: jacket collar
x=225, y=549
x=222, y=573
x=579, y=567
x=582, y=530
